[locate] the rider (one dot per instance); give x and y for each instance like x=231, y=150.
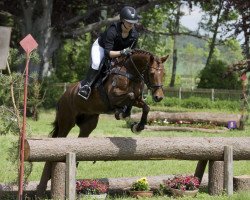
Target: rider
x=116, y=41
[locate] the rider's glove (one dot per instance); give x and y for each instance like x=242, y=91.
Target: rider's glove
x=126, y=52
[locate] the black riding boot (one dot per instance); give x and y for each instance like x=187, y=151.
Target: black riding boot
x=85, y=87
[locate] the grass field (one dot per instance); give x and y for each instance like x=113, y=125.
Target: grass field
x=108, y=126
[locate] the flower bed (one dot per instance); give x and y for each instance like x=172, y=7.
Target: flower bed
x=91, y=186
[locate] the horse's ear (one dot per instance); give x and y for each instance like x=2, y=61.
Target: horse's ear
x=163, y=59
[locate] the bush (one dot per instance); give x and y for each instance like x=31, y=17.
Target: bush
x=172, y=102
x=196, y=103
x=215, y=76
x=227, y=105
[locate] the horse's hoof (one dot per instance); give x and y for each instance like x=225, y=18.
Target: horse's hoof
x=118, y=115
x=134, y=128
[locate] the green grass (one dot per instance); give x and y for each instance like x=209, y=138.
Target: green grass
x=108, y=126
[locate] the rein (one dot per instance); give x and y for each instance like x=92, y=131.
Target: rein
x=141, y=76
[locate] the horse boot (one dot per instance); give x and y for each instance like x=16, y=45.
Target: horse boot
x=123, y=112
x=85, y=87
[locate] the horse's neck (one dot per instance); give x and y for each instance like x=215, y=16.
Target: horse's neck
x=139, y=61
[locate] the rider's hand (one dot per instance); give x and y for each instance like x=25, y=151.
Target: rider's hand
x=126, y=52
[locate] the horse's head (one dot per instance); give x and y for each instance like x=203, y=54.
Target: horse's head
x=152, y=71
x=156, y=74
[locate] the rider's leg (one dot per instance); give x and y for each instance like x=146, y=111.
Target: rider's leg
x=97, y=54
x=85, y=88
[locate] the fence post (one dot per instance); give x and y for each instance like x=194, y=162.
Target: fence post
x=71, y=176
x=212, y=95
x=215, y=177
x=65, y=87
x=228, y=169
x=180, y=93
x=58, y=180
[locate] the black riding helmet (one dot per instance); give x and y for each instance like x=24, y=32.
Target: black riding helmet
x=129, y=14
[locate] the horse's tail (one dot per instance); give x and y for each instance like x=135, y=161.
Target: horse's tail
x=54, y=132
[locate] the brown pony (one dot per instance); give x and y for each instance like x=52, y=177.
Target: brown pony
x=121, y=88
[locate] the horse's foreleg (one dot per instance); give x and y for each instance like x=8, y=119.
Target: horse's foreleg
x=137, y=127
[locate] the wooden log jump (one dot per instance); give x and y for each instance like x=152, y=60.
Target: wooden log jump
x=221, y=119
x=136, y=148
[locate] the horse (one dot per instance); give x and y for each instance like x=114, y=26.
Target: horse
x=117, y=92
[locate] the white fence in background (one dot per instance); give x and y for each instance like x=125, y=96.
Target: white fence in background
x=183, y=93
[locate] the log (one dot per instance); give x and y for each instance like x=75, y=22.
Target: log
x=215, y=177
x=58, y=180
x=241, y=183
x=221, y=119
x=200, y=169
x=184, y=129
x=136, y=148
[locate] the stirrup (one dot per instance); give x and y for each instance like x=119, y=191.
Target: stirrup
x=87, y=88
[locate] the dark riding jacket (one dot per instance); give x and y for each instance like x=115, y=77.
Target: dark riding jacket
x=111, y=39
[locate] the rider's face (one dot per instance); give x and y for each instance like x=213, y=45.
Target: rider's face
x=128, y=25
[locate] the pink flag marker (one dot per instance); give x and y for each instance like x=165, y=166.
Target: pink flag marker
x=28, y=43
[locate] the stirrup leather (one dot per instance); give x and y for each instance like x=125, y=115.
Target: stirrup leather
x=86, y=88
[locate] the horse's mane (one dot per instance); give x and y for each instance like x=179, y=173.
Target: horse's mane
x=135, y=52
x=140, y=51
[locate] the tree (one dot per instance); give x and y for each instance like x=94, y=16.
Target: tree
x=192, y=59
x=216, y=20
x=52, y=21
x=243, y=22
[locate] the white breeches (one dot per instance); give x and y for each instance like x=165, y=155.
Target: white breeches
x=97, y=54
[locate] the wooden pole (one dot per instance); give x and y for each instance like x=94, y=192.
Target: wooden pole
x=200, y=169
x=192, y=117
x=71, y=176
x=135, y=148
x=228, y=170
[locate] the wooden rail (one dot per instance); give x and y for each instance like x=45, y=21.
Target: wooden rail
x=135, y=148
x=69, y=150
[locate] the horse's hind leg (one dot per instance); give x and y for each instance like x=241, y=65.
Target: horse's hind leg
x=63, y=124
x=122, y=113
x=46, y=175
x=87, y=123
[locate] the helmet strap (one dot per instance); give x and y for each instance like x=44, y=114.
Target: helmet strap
x=124, y=25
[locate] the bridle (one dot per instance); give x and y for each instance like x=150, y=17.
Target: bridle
x=147, y=81
x=140, y=75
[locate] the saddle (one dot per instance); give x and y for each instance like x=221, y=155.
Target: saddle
x=119, y=89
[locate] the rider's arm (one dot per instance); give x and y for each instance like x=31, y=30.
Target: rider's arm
x=114, y=54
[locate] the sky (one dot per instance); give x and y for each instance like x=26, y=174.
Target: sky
x=191, y=19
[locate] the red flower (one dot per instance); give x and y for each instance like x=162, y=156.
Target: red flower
x=89, y=186
x=183, y=183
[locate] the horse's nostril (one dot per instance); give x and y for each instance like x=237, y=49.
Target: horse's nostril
x=157, y=98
